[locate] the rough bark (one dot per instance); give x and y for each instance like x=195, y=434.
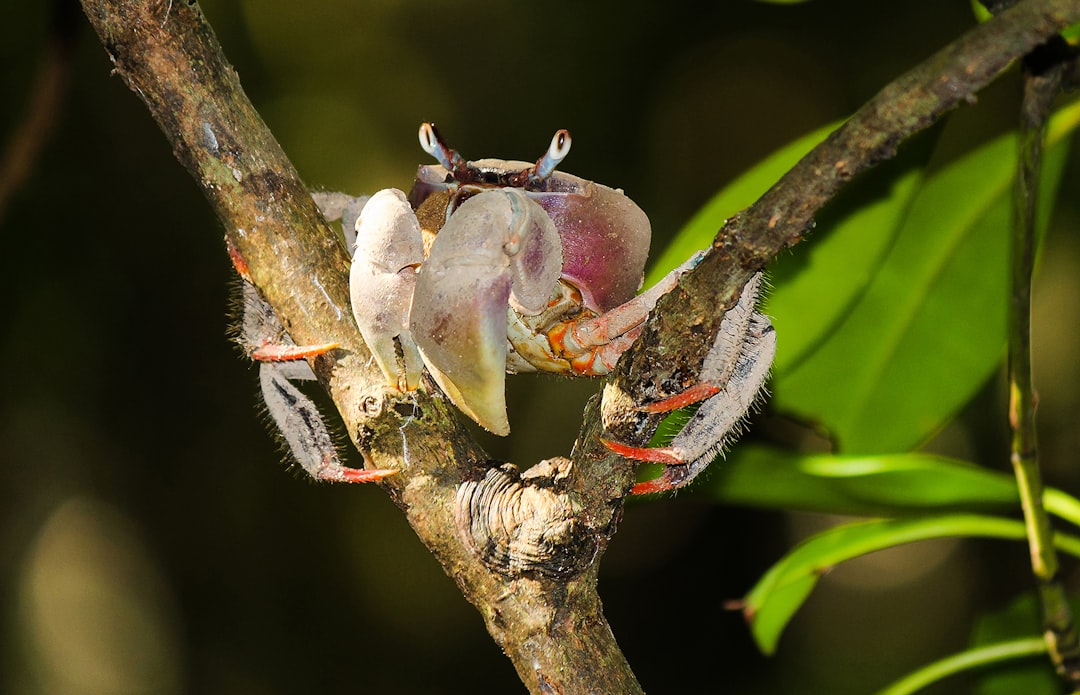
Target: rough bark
x=536, y=590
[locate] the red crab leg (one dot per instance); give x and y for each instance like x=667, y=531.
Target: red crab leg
x=662, y=454
x=694, y=394
x=269, y=352
x=667, y=456
x=594, y=361
x=585, y=334
x=651, y=487
x=605, y=337
x=287, y=353
x=336, y=473
x=237, y=260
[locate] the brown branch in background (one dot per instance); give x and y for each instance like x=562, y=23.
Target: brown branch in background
x=44, y=103
x=1044, y=71
x=545, y=615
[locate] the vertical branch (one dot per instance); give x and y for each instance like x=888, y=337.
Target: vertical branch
x=1043, y=74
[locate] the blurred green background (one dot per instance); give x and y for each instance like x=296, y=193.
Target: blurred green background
x=152, y=540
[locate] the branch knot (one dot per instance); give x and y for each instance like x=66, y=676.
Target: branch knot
x=525, y=524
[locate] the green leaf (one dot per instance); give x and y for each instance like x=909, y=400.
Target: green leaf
x=1020, y=618
x=929, y=329
x=770, y=605
x=977, y=658
x=882, y=485
x=879, y=485
x=979, y=10
x=816, y=288
x=812, y=290
x=698, y=233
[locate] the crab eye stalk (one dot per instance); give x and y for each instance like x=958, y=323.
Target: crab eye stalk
x=434, y=145
x=556, y=152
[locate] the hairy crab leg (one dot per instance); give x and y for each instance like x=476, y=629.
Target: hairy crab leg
x=666, y=455
x=280, y=363
x=304, y=431
x=731, y=380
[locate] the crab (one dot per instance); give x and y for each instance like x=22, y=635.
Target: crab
x=494, y=266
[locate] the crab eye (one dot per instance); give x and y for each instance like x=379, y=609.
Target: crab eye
x=433, y=144
x=428, y=139
x=556, y=152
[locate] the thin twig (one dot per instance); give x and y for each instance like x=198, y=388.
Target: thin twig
x=44, y=104
x=1043, y=72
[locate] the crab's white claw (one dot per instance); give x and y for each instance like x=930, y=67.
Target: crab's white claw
x=498, y=250
x=389, y=249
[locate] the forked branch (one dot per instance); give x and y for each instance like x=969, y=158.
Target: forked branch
x=549, y=622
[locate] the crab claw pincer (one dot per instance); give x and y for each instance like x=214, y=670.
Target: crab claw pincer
x=389, y=249
x=499, y=249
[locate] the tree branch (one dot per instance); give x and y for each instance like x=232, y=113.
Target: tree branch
x=1044, y=71
x=683, y=324
x=549, y=622
x=523, y=549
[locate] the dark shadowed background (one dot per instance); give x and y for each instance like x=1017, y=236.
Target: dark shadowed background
x=151, y=537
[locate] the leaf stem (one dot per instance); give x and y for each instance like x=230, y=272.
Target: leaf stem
x=1042, y=70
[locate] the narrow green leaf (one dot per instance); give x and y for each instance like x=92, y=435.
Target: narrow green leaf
x=812, y=290
x=1062, y=505
x=967, y=660
x=883, y=485
x=1018, y=619
x=979, y=10
x=770, y=605
x=878, y=485
x=930, y=327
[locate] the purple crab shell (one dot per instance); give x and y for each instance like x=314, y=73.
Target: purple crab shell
x=605, y=236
